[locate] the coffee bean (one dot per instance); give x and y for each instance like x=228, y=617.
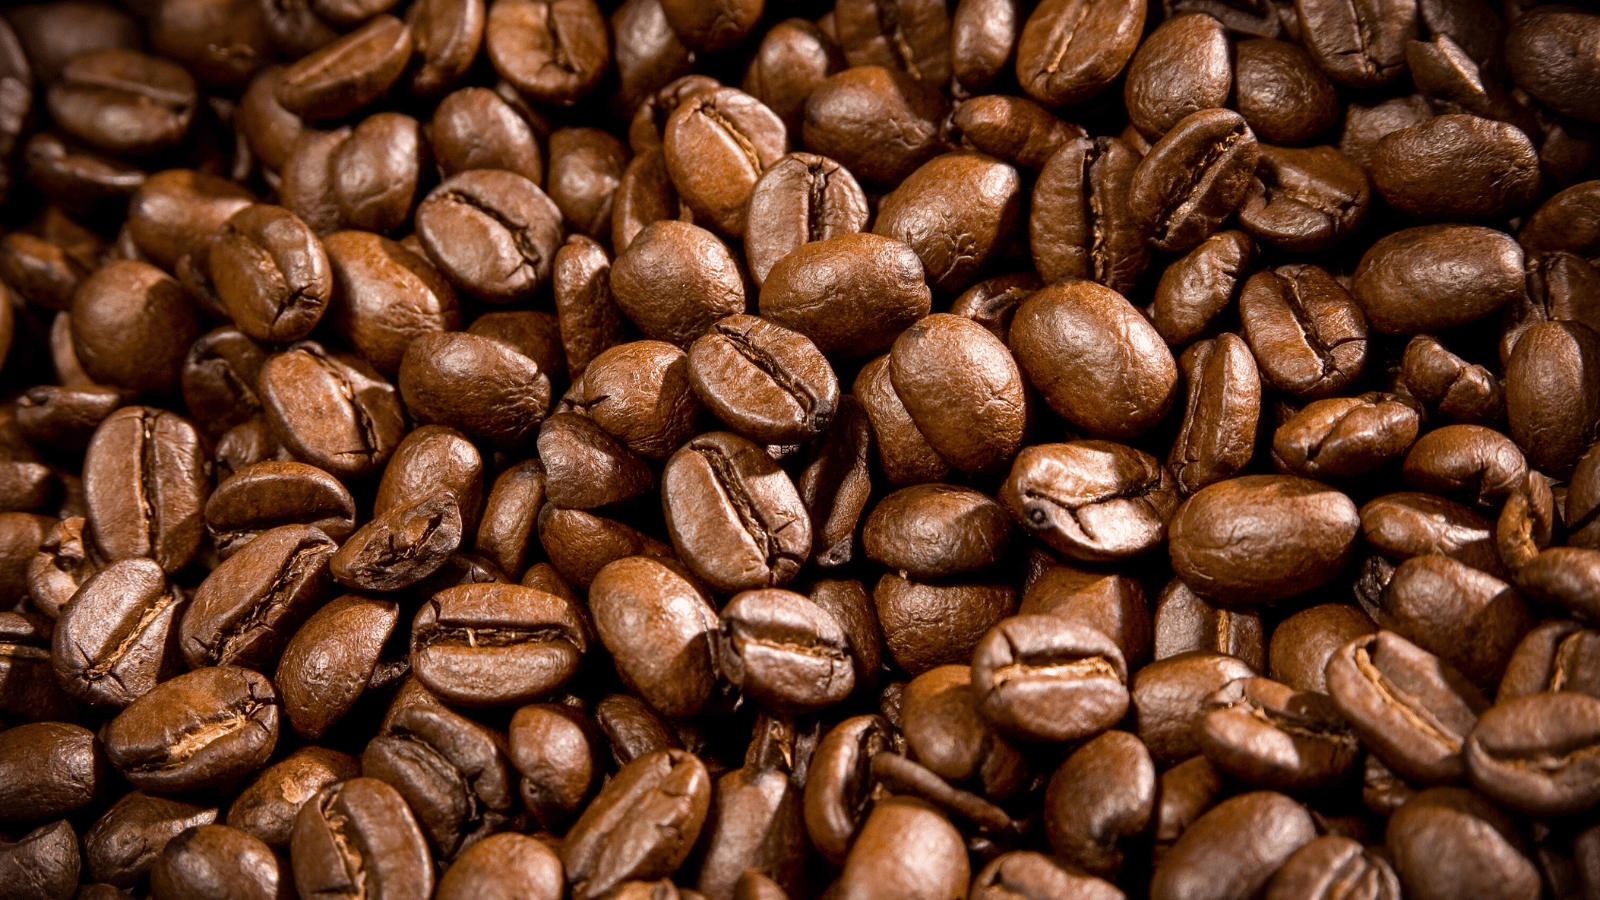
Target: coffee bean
x=200, y=729
x=1193, y=178
x=115, y=640
x=1070, y=50
x=363, y=825
x=145, y=484
x=642, y=824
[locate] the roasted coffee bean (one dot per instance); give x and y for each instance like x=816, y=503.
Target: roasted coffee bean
x=642, y=825
x=28, y=687
x=766, y=382
x=1296, y=533
x=1014, y=129
x=784, y=651
x=493, y=233
x=1463, y=392
x=1330, y=866
x=675, y=280
x=1344, y=437
x=49, y=769
x=1412, y=710
x=509, y=865
x=1307, y=333
x=123, y=101
x=955, y=245
x=1167, y=697
x=1305, y=199
x=1565, y=576
x=117, y=638
x=1044, y=678
x=1434, y=262
x=269, y=806
x=1457, y=167
x=451, y=771
x=329, y=661
x=1217, y=437
x=717, y=145
x=331, y=409
x=588, y=468
x=43, y=865
x=270, y=271
x=1198, y=286
x=65, y=559
x=1469, y=618
x=1182, y=67
x=248, y=607
x=219, y=379
x=1101, y=796
x=935, y=622
x=350, y=73
x=496, y=644
x=851, y=295
x=218, y=861
x=133, y=326
x=1193, y=178
x=1477, y=464
x=798, y=199
x=1358, y=44
x=555, y=52
x=474, y=128
x=880, y=864
x=1070, y=50
x=123, y=844
x=1206, y=862
x=880, y=123
x=1091, y=500
x=669, y=656
x=201, y=729
x=145, y=483
x=1487, y=856
x=733, y=514
x=1269, y=735
x=402, y=546
x=359, y=836
x=937, y=529
x=1184, y=622
x=794, y=58
x=1411, y=524
x=1281, y=92
x=1098, y=363
x=1558, y=729
x=1080, y=225
x=1540, y=64
x=474, y=384
x=269, y=494
x=1554, y=356
x=556, y=749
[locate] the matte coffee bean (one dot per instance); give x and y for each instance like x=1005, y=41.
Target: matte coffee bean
x=123, y=102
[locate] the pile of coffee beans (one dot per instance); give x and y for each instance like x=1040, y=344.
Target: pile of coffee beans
x=843, y=449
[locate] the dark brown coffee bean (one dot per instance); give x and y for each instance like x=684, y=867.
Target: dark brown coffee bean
x=1566, y=576
x=475, y=384
x=66, y=557
x=938, y=622
x=1183, y=66
x=1205, y=861
x=1469, y=618
x=1331, y=865
x=851, y=295
x=879, y=123
x=1486, y=855
x=947, y=732
x=360, y=829
x=557, y=750
x=474, y=128
x=1098, y=363
x=266, y=495
x=267, y=808
x=962, y=389
x=376, y=173
x=641, y=393
x=350, y=73
x=1101, y=797
x=1552, y=360
x=784, y=651
x=468, y=642
x=764, y=381
x=509, y=865
x=1410, y=708
x=145, y=480
x=201, y=729
x=1166, y=699
x=554, y=52
x=1080, y=226
x=1014, y=129
x=733, y=514
x=1411, y=524
x=669, y=657
x=1476, y=464
x=327, y=663
x=402, y=546
x=793, y=59
x=1249, y=722
x=586, y=167
x=1281, y=92
x=1296, y=535
x=1184, y=622
x=123, y=102
x=1344, y=437
x=642, y=825
x=1558, y=729
x=248, y=607
x=271, y=272
x=1070, y=50
x=717, y=145
x=955, y=245
x=880, y=863
x=587, y=467
x=49, y=769
x=675, y=280
x=133, y=326
x=1091, y=500
x=1307, y=332
x=331, y=409
x=798, y=199
x=1433, y=262
x=1359, y=44
x=493, y=233
x=116, y=639
x=1462, y=391
x=1044, y=678
x=1541, y=62
x=936, y=529
x=1457, y=167
x=1193, y=178
x=1217, y=437
x=1305, y=200
x=218, y=861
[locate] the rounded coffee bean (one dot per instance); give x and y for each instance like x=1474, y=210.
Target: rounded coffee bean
x=1070, y=50
x=271, y=273
x=766, y=382
x=474, y=384
x=1043, y=678
x=496, y=644
x=1451, y=843
x=641, y=826
x=1262, y=537
x=145, y=480
x=247, y=608
x=268, y=807
x=936, y=529
x=1437, y=276
x=1210, y=858
x=1091, y=500
x=113, y=643
x=400, y=547
x=1101, y=797
x=963, y=390
x=784, y=651
x=1183, y=66
x=1269, y=735
x=132, y=327
x=1096, y=360
x=218, y=861
x=717, y=144
x=1560, y=730
x=348, y=74
x=326, y=665
x=123, y=102
x=675, y=280
x=363, y=824
x=851, y=295
x=798, y=199
x=49, y=769
x=1193, y=178
x=331, y=409
x=954, y=244
x=555, y=52
x=881, y=864
x=660, y=631
x=201, y=729
x=493, y=233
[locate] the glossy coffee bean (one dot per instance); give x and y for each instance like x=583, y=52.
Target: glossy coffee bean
x=201, y=729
